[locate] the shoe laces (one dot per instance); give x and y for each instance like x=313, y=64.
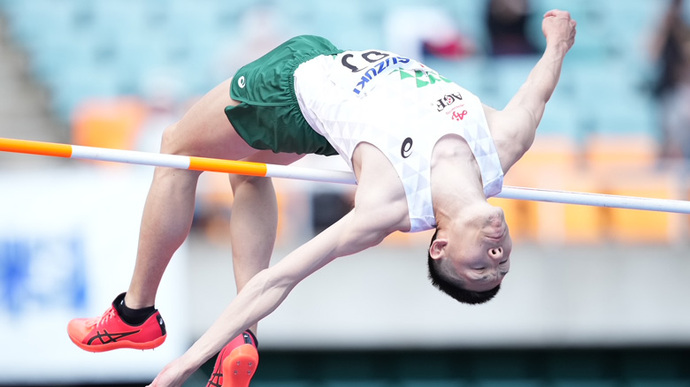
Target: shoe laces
x=109, y=313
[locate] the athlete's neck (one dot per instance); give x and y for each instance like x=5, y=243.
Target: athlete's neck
x=456, y=184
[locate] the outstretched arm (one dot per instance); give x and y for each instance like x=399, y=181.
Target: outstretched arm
x=514, y=127
x=267, y=290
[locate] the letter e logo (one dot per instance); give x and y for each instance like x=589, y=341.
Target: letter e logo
x=406, y=149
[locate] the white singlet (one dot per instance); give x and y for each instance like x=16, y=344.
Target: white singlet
x=403, y=108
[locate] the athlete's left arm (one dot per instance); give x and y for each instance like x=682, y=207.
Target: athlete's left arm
x=514, y=127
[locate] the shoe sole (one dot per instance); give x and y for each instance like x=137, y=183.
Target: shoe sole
x=239, y=367
x=119, y=344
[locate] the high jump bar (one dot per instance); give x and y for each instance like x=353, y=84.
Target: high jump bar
x=321, y=175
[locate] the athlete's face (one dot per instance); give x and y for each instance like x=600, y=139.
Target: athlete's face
x=483, y=265
x=480, y=252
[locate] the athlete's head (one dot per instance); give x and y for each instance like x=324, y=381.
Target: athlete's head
x=469, y=258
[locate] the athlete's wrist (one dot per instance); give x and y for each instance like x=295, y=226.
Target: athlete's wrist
x=556, y=49
x=189, y=363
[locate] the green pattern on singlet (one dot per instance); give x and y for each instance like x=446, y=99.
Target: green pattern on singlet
x=423, y=78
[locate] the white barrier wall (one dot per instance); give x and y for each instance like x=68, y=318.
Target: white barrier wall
x=554, y=296
x=67, y=245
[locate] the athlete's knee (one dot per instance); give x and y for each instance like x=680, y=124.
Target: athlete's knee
x=238, y=180
x=171, y=141
x=255, y=182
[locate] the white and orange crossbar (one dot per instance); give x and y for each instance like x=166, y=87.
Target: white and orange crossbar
x=173, y=161
x=311, y=174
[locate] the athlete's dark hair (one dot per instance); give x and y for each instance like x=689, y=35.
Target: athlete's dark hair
x=452, y=287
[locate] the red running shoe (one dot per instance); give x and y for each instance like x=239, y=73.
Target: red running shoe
x=236, y=362
x=109, y=332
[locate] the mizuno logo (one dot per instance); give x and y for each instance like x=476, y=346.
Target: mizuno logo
x=106, y=337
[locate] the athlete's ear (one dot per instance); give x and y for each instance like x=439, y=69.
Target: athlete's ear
x=437, y=248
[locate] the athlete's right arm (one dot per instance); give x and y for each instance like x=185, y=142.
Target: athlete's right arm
x=358, y=230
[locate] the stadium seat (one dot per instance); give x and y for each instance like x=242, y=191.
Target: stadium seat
x=108, y=123
x=608, y=154
x=634, y=226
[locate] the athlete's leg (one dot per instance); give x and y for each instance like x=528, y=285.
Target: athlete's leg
x=203, y=131
x=254, y=219
x=253, y=225
x=166, y=221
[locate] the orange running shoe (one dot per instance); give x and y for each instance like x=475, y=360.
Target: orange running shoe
x=236, y=362
x=109, y=332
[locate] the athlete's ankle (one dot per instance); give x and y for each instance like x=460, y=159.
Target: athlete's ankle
x=132, y=316
x=253, y=337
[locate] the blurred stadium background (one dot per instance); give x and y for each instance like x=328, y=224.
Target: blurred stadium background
x=596, y=297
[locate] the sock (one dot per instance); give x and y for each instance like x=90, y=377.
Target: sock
x=134, y=316
x=256, y=341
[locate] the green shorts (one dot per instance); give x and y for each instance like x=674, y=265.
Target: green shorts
x=268, y=116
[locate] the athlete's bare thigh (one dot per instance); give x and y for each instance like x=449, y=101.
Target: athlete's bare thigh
x=206, y=131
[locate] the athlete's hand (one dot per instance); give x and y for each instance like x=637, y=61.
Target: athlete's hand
x=172, y=375
x=559, y=29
